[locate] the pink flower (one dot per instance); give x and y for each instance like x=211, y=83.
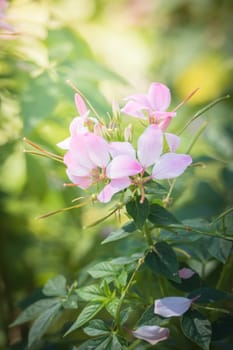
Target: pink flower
x=86, y=159
x=3, y=23
x=151, y=334
x=81, y=124
x=172, y=306
x=152, y=105
x=150, y=159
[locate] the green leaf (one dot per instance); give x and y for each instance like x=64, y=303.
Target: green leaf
x=71, y=302
x=91, y=293
x=160, y=216
x=163, y=261
x=103, y=269
x=86, y=315
x=149, y=318
x=42, y=323
x=209, y=295
x=34, y=310
x=90, y=344
x=125, y=231
x=197, y=328
x=138, y=211
x=220, y=249
x=222, y=327
x=55, y=286
x=112, y=307
x=189, y=284
x=96, y=328
x=122, y=278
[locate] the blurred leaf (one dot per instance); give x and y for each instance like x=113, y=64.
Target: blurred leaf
x=160, y=216
x=112, y=307
x=34, y=310
x=189, y=284
x=42, y=323
x=55, y=286
x=123, y=232
x=220, y=249
x=209, y=295
x=36, y=184
x=163, y=261
x=138, y=211
x=222, y=327
x=103, y=269
x=197, y=328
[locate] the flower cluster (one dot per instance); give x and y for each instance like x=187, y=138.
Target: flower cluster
x=93, y=159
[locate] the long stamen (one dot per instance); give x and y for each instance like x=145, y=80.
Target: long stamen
x=44, y=151
x=186, y=99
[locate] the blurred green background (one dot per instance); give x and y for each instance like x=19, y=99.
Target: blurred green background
x=109, y=49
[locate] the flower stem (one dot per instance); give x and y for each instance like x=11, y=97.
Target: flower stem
x=147, y=235
x=125, y=291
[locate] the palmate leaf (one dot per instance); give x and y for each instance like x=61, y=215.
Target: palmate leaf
x=42, y=323
x=197, y=328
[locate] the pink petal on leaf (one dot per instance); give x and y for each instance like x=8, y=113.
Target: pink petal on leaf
x=123, y=166
x=116, y=185
x=150, y=145
x=171, y=165
x=159, y=96
x=186, y=273
x=172, y=306
x=151, y=334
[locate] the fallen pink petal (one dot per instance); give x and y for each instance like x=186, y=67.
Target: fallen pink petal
x=172, y=306
x=186, y=273
x=151, y=334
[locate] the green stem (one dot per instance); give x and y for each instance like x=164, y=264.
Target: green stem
x=225, y=279
x=134, y=344
x=125, y=291
x=147, y=235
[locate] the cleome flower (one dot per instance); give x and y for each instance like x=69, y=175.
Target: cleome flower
x=147, y=163
x=151, y=106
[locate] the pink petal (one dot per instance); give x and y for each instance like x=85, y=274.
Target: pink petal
x=186, y=273
x=133, y=109
x=171, y=165
x=159, y=96
x=77, y=126
x=74, y=167
x=81, y=181
x=172, y=306
x=98, y=149
x=150, y=145
x=65, y=144
x=79, y=151
x=120, y=148
x=151, y=334
x=113, y=187
x=173, y=141
x=80, y=104
x=123, y=166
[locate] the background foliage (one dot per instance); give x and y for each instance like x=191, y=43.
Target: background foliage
x=108, y=49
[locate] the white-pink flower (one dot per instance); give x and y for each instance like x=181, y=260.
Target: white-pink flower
x=172, y=306
x=152, y=106
x=151, y=334
x=128, y=163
